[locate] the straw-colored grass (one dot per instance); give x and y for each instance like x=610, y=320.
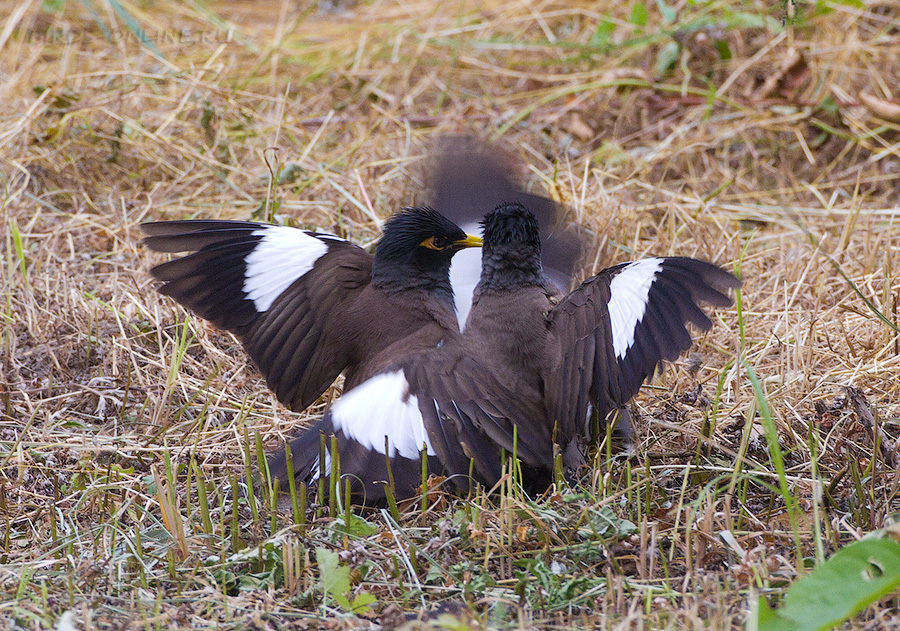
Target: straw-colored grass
x=127, y=426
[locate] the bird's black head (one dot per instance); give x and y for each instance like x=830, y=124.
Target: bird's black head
x=416, y=247
x=512, y=248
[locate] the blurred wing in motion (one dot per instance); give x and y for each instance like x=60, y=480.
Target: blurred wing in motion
x=467, y=179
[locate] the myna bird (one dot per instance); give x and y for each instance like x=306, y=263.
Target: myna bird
x=525, y=373
x=307, y=305
x=466, y=178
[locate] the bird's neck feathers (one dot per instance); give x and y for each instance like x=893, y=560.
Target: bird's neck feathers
x=399, y=276
x=507, y=267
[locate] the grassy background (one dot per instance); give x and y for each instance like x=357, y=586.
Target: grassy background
x=760, y=135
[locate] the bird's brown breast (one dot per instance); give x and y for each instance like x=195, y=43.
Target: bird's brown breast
x=407, y=323
x=513, y=327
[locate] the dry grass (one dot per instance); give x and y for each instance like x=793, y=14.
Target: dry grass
x=108, y=393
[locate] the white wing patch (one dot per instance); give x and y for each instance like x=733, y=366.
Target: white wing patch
x=316, y=472
x=382, y=406
x=629, y=291
x=465, y=272
x=281, y=257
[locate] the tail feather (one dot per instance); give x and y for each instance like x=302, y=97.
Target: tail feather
x=365, y=468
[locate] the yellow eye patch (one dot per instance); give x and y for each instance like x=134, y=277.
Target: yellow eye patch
x=431, y=245
x=440, y=243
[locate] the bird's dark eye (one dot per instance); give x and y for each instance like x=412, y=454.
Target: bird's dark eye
x=434, y=243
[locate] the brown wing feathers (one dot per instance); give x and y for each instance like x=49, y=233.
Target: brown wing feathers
x=461, y=428
x=294, y=346
x=615, y=334
x=276, y=288
x=670, y=303
x=579, y=322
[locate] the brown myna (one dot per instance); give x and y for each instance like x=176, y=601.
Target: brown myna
x=466, y=178
x=524, y=374
x=307, y=305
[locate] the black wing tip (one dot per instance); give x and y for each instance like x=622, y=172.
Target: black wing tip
x=160, y=242
x=716, y=279
x=181, y=227
x=158, y=235
x=469, y=175
x=176, y=227
x=158, y=272
x=276, y=462
x=149, y=227
x=703, y=323
x=192, y=235
x=304, y=448
x=722, y=280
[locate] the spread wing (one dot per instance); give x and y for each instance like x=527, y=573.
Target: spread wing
x=278, y=289
x=618, y=326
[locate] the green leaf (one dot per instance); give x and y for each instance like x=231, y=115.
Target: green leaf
x=355, y=527
x=342, y=601
x=724, y=50
x=19, y=247
x=668, y=13
x=361, y=603
x=856, y=4
x=821, y=8
x=435, y=574
x=289, y=173
x=604, y=523
x=666, y=58
x=335, y=580
x=853, y=578
x=638, y=15
x=603, y=33
x=768, y=619
x=336, y=583
x=255, y=582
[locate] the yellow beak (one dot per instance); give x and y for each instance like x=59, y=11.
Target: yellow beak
x=470, y=241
